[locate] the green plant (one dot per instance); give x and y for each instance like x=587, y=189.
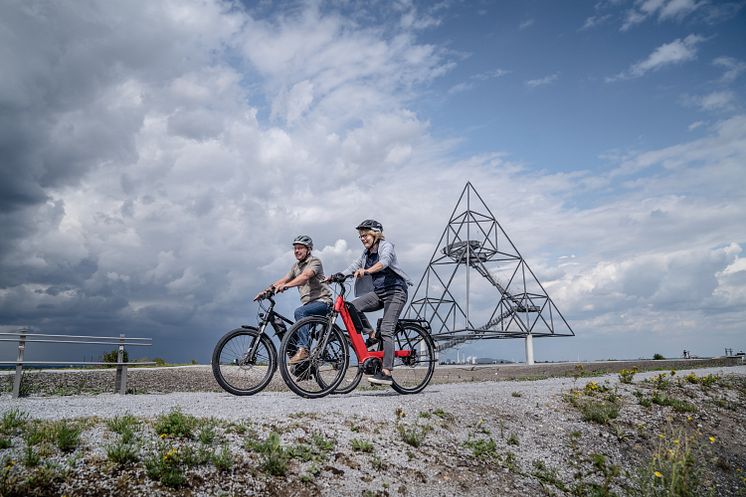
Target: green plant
x=275, y=456
x=223, y=459
x=627, y=375
x=5, y=443
x=673, y=469
x=67, y=435
x=413, y=435
x=176, y=424
x=361, y=445
x=513, y=439
x=113, y=355
x=13, y=420
x=122, y=453
x=482, y=448
x=207, y=433
x=165, y=466
x=31, y=458
x=516, y=394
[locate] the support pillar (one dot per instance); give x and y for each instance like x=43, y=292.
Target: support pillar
x=529, y=349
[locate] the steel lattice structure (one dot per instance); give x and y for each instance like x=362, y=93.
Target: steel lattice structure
x=476, y=259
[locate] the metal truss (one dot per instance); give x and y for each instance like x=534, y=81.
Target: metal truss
x=476, y=261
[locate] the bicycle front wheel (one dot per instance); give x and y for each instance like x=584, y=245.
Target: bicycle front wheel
x=354, y=374
x=414, y=361
x=324, y=368
x=244, y=361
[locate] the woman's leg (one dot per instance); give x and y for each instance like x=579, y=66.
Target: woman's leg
x=393, y=303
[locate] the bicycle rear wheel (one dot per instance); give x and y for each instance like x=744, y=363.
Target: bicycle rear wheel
x=412, y=372
x=324, y=368
x=238, y=372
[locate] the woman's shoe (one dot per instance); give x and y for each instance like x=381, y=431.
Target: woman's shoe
x=381, y=378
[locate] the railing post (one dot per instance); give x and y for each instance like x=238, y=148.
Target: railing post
x=19, y=365
x=121, y=381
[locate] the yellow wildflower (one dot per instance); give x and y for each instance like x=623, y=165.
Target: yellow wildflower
x=658, y=474
x=163, y=435
x=676, y=442
x=712, y=440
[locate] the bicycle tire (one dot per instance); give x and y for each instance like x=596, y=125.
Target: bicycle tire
x=348, y=384
x=412, y=374
x=323, y=370
x=230, y=368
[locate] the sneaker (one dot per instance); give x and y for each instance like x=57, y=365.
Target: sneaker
x=371, y=340
x=380, y=378
x=299, y=356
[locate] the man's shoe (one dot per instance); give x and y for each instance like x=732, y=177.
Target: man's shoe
x=380, y=378
x=299, y=356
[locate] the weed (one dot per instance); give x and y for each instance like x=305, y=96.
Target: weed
x=165, y=466
x=414, y=435
x=275, y=456
x=516, y=394
x=627, y=375
x=361, y=445
x=207, y=434
x=122, y=453
x=223, y=459
x=176, y=424
x=66, y=435
x=673, y=469
x=322, y=443
x=547, y=476
x=482, y=448
x=5, y=443
x=31, y=458
x=678, y=405
x=513, y=439
x=13, y=420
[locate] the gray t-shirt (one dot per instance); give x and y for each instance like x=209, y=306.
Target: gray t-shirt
x=314, y=288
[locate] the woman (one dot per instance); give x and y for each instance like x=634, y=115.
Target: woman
x=380, y=284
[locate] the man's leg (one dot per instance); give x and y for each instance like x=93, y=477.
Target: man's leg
x=315, y=308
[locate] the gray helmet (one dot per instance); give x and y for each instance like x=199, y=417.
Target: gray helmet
x=304, y=240
x=370, y=224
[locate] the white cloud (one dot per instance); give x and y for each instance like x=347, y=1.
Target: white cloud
x=546, y=80
x=675, y=52
x=665, y=9
x=733, y=68
x=715, y=101
x=526, y=24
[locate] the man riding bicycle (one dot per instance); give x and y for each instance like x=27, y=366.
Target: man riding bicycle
x=308, y=275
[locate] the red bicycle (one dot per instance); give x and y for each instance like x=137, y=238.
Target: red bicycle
x=327, y=368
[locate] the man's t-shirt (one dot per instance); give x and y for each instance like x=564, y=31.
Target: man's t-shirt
x=314, y=288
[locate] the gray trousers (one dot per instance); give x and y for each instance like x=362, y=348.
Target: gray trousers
x=392, y=302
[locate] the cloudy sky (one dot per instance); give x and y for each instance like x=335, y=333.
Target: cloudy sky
x=159, y=157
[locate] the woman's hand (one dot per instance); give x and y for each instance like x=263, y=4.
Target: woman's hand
x=360, y=273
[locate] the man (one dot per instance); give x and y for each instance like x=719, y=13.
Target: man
x=308, y=275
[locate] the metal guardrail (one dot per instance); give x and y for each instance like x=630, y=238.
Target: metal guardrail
x=24, y=336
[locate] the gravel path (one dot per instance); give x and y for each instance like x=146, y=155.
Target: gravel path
x=455, y=397
x=539, y=443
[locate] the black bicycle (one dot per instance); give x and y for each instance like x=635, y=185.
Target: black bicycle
x=245, y=359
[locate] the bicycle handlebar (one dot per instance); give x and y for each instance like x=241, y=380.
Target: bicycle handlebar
x=266, y=294
x=339, y=278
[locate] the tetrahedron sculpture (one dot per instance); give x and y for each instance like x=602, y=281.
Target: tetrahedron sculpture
x=478, y=286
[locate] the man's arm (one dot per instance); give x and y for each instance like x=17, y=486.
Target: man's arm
x=299, y=280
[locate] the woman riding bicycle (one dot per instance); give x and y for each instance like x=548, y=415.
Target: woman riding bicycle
x=380, y=284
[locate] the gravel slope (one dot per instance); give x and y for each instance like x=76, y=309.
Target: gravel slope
x=540, y=444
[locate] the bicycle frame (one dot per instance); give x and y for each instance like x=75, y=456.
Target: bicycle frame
x=356, y=336
x=266, y=317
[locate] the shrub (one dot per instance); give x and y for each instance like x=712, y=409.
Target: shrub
x=113, y=355
x=176, y=424
x=483, y=448
x=626, y=375
x=122, y=453
x=657, y=357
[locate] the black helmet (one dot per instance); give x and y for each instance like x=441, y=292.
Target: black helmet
x=370, y=224
x=304, y=240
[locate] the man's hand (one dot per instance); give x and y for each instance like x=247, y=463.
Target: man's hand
x=281, y=288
